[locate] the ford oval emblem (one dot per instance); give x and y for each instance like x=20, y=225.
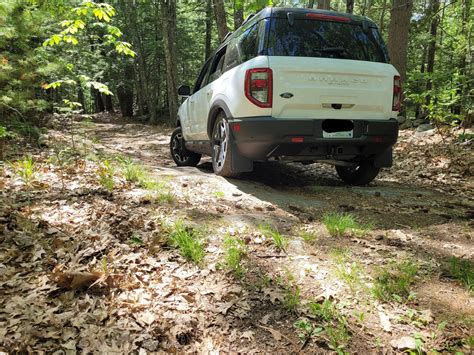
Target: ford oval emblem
x=287, y=95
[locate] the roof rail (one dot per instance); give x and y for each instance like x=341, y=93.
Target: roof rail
x=227, y=36
x=249, y=17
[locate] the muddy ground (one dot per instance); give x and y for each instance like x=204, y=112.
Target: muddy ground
x=73, y=278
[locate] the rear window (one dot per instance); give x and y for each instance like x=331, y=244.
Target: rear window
x=325, y=39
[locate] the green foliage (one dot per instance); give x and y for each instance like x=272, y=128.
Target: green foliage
x=235, y=251
x=132, y=172
x=188, y=241
x=338, y=224
x=393, y=282
x=219, y=194
x=292, y=297
x=279, y=241
x=331, y=325
x=136, y=239
x=309, y=237
x=25, y=169
x=106, y=173
x=462, y=270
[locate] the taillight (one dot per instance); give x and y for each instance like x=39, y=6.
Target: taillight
x=324, y=17
x=397, y=93
x=258, y=86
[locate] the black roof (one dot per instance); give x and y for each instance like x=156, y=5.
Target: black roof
x=298, y=13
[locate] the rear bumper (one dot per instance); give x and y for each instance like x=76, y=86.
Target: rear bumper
x=263, y=138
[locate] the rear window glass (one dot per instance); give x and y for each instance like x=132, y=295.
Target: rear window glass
x=325, y=39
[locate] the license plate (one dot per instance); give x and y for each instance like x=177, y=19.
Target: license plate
x=344, y=134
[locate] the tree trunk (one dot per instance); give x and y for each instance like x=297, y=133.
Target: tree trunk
x=382, y=17
x=430, y=58
x=398, y=34
x=108, y=104
x=324, y=4
x=208, y=37
x=168, y=15
x=310, y=4
x=238, y=13
x=350, y=6
x=221, y=19
x=98, y=103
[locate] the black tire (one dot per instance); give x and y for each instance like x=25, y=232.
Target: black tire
x=179, y=153
x=358, y=175
x=222, y=148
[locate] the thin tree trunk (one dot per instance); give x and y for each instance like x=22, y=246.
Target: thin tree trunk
x=310, y=4
x=108, y=104
x=98, y=103
x=350, y=6
x=168, y=14
x=208, y=37
x=238, y=13
x=398, y=34
x=221, y=19
x=430, y=58
x=382, y=16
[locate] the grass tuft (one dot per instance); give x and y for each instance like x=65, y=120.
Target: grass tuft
x=133, y=172
x=235, y=251
x=393, y=282
x=25, y=169
x=279, y=241
x=462, y=270
x=106, y=175
x=338, y=224
x=188, y=241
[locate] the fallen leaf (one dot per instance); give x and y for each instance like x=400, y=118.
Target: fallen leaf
x=404, y=343
x=385, y=322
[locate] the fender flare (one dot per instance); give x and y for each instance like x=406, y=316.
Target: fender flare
x=218, y=105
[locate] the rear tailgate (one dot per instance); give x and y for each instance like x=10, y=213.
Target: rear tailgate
x=306, y=87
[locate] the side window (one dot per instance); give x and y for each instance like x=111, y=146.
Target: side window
x=217, y=67
x=202, y=75
x=232, y=56
x=242, y=48
x=249, y=44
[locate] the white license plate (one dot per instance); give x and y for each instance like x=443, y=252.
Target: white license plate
x=345, y=134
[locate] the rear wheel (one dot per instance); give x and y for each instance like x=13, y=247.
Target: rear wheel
x=361, y=174
x=222, y=148
x=179, y=153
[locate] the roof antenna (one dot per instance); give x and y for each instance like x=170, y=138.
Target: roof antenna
x=291, y=18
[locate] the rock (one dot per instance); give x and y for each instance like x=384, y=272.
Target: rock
x=236, y=194
x=424, y=127
x=220, y=209
x=270, y=208
x=404, y=343
x=295, y=208
x=377, y=194
x=379, y=237
x=401, y=119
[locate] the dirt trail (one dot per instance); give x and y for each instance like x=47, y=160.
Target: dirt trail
x=174, y=306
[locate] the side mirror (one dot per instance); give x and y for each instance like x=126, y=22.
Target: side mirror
x=184, y=90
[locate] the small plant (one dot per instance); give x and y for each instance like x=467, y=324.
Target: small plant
x=352, y=273
x=279, y=241
x=106, y=175
x=306, y=330
x=136, y=239
x=187, y=241
x=292, y=296
x=26, y=169
x=219, y=194
x=338, y=224
x=462, y=270
x=393, y=282
x=235, y=250
x=333, y=324
x=132, y=172
x=309, y=237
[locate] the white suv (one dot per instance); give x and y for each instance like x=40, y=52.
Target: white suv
x=295, y=85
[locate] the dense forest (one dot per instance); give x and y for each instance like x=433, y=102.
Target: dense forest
x=131, y=56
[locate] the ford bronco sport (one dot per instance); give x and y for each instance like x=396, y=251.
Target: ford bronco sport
x=295, y=85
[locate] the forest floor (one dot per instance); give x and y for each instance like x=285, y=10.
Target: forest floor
x=98, y=240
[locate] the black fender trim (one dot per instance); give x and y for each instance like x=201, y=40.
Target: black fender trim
x=217, y=106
